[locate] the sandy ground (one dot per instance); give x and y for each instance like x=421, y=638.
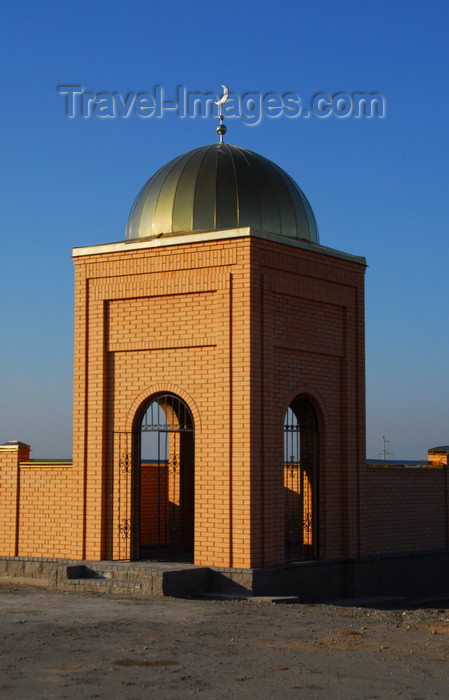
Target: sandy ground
x=59, y=645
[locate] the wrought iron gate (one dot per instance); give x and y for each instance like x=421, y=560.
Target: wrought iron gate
x=301, y=481
x=156, y=483
x=121, y=495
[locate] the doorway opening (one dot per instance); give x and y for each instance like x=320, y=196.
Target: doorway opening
x=164, y=483
x=301, y=443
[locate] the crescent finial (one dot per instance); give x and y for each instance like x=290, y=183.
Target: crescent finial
x=221, y=129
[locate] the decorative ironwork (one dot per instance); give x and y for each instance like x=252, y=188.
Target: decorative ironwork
x=163, y=486
x=125, y=463
x=221, y=128
x=174, y=464
x=301, y=480
x=125, y=528
x=121, y=519
x=307, y=522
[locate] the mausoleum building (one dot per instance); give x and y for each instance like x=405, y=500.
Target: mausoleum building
x=219, y=392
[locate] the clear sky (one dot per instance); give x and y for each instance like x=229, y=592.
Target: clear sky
x=379, y=187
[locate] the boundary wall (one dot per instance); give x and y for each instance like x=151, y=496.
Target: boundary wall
x=37, y=499
x=404, y=509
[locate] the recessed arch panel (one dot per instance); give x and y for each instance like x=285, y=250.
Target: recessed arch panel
x=301, y=487
x=163, y=482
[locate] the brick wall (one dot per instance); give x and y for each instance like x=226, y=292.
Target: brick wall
x=405, y=509
x=45, y=511
x=158, y=320
x=236, y=328
x=37, y=502
x=308, y=318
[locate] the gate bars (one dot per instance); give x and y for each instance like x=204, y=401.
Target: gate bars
x=301, y=481
x=151, y=496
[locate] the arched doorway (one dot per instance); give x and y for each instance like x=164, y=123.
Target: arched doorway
x=301, y=443
x=164, y=481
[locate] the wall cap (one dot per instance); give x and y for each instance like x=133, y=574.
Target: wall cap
x=207, y=236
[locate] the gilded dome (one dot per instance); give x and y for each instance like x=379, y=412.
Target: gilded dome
x=221, y=187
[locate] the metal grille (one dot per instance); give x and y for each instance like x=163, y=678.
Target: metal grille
x=164, y=490
x=301, y=481
x=120, y=496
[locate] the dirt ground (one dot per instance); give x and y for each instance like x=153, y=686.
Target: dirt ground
x=59, y=645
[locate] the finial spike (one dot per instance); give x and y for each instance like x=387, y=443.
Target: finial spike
x=221, y=128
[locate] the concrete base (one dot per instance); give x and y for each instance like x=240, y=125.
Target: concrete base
x=417, y=574
x=421, y=574
x=136, y=579
x=132, y=578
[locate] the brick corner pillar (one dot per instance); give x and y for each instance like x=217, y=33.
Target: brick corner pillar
x=12, y=454
x=307, y=344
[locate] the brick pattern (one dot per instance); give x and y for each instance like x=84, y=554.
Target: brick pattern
x=154, y=500
x=46, y=503
x=405, y=509
x=236, y=328
x=164, y=325
x=36, y=506
x=318, y=353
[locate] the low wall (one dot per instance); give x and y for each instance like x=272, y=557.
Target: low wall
x=39, y=505
x=45, y=510
x=418, y=574
x=404, y=509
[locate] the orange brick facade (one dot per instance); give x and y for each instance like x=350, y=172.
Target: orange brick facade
x=237, y=328
x=405, y=509
x=38, y=505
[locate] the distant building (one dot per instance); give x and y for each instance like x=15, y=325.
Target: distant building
x=438, y=455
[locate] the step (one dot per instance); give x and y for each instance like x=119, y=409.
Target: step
x=105, y=587
x=146, y=579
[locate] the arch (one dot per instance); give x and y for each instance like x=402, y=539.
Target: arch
x=163, y=479
x=301, y=478
x=315, y=399
x=160, y=388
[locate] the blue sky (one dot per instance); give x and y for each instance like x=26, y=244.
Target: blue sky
x=379, y=187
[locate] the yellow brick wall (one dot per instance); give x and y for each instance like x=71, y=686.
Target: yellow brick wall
x=212, y=322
